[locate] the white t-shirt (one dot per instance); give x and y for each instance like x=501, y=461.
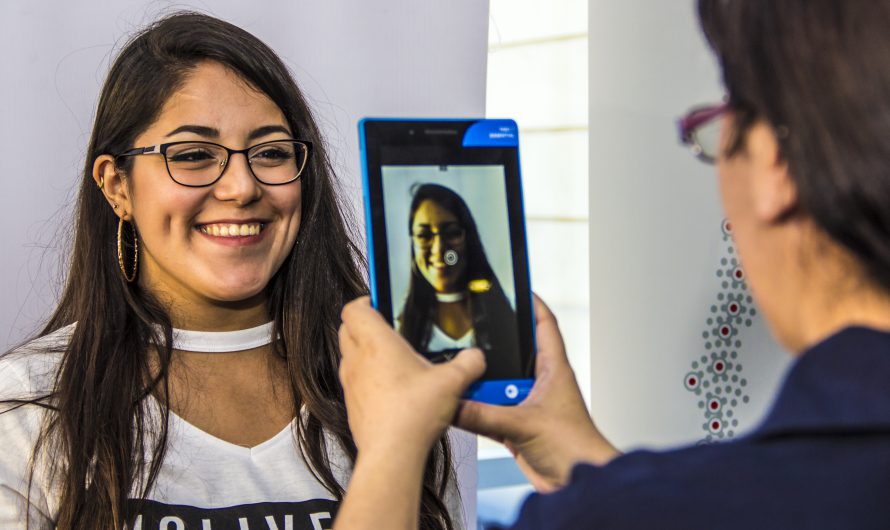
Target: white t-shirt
x=439, y=340
x=205, y=483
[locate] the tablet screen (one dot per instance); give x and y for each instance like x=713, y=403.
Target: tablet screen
x=447, y=239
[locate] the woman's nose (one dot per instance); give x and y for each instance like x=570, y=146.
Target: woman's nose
x=436, y=246
x=237, y=182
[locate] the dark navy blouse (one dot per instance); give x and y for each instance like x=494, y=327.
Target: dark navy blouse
x=821, y=459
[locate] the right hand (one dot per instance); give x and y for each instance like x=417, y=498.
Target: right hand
x=551, y=430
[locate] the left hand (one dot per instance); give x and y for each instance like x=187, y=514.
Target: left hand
x=397, y=401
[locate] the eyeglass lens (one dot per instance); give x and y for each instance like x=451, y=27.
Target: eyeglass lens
x=449, y=234
x=707, y=138
x=200, y=164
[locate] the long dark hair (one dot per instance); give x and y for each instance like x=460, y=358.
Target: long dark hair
x=99, y=428
x=816, y=71
x=494, y=321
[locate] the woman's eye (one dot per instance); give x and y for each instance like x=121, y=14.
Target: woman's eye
x=273, y=154
x=452, y=233
x=195, y=155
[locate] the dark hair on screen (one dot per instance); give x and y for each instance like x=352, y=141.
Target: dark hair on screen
x=486, y=308
x=817, y=72
x=99, y=423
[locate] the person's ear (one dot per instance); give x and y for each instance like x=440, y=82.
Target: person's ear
x=774, y=190
x=113, y=185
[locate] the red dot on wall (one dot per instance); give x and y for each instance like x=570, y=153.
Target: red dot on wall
x=715, y=405
x=724, y=331
x=693, y=381
x=718, y=367
x=733, y=308
x=715, y=425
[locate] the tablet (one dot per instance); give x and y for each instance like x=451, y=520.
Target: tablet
x=447, y=244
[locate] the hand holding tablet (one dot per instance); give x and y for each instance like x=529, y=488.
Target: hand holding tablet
x=447, y=244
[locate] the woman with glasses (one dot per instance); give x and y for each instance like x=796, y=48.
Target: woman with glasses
x=454, y=298
x=803, y=160
x=188, y=376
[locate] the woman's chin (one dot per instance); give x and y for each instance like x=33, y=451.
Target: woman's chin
x=237, y=292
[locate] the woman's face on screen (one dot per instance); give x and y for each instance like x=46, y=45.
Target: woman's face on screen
x=440, y=246
x=221, y=244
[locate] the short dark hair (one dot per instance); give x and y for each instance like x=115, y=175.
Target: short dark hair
x=818, y=70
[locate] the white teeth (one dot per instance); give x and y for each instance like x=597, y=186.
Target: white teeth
x=232, y=230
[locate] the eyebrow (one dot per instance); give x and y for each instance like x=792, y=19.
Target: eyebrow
x=441, y=225
x=210, y=132
x=267, y=130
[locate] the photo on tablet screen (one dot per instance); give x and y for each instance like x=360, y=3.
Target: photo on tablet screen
x=451, y=266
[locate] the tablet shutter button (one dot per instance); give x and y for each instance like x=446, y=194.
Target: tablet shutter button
x=511, y=391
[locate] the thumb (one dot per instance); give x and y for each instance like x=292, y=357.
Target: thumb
x=468, y=365
x=496, y=422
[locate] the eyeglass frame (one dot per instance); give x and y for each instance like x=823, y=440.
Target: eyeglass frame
x=696, y=118
x=457, y=240
x=161, y=149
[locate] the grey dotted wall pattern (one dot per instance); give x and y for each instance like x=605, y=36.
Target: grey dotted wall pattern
x=717, y=377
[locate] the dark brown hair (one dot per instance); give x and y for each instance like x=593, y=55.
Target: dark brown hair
x=817, y=72
x=99, y=427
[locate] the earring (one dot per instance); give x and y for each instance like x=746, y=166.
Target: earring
x=120, y=251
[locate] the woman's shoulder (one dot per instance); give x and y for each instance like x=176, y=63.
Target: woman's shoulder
x=30, y=369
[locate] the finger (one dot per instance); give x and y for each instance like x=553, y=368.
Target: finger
x=354, y=306
x=364, y=323
x=551, y=348
x=467, y=366
x=347, y=343
x=347, y=347
x=496, y=422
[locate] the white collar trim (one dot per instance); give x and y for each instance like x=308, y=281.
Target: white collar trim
x=222, y=341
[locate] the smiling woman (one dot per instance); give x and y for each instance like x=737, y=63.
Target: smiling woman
x=188, y=376
x=454, y=297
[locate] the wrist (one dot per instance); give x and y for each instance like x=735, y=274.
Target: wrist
x=384, y=490
x=388, y=448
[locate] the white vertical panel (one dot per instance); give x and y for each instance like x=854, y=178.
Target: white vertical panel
x=554, y=173
x=540, y=85
x=525, y=20
x=656, y=241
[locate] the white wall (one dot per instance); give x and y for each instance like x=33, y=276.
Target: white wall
x=537, y=74
x=353, y=59
x=656, y=242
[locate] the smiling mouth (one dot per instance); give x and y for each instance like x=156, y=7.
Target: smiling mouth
x=231, y=229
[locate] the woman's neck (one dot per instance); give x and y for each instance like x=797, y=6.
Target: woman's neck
x=825, y=290
x=826, y=312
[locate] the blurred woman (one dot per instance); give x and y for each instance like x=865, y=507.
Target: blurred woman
x=454, y=298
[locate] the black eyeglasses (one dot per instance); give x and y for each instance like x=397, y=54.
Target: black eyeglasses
x=451, y=234
x=199, y=164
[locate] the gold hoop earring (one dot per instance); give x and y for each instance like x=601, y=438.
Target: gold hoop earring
x=120, y=251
